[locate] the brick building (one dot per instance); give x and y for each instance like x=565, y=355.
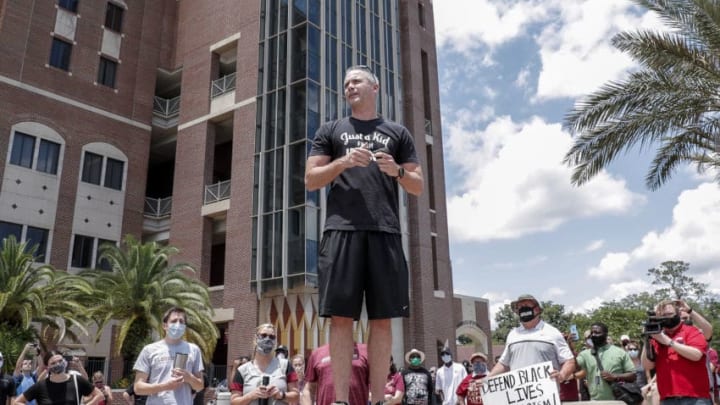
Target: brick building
x=189, y=122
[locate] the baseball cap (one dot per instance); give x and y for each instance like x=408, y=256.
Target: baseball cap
x=524, y=297
x=624, y=337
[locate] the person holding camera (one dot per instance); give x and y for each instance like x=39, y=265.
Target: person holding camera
x=677, y=353
x=603, y=365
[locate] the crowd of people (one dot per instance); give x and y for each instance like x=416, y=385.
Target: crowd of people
x=365, y=160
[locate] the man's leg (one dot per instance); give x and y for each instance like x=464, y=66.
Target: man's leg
x=379, y=350
x=341, y=351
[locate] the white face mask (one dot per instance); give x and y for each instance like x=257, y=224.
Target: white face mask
x=446, y=358
x=176, y=330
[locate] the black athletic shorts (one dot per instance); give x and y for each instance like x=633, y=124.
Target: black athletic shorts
x=357, y=264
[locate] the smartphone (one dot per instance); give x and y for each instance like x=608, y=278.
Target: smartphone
x=574, y=333
x=266, y=380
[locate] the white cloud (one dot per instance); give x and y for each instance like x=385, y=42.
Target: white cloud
x=522, y=77
x=515, y=181
x=611, y=266
x=692, y=237
x=466, y=25
x=554, y=292
x=614, y=291
x=595, y=245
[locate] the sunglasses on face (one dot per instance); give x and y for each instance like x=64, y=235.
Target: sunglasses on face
x=266, y=336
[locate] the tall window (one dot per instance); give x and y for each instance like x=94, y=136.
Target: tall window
x=22, y=150
x=60, y=54
x=102, y=263
x=421, y=14
x=37, y=237
x=106, y=72
x=8, y=228
x=114, y=173
x=92, y=168
x=48, y=156
x=82, y=251
x=113, y=17
x=69, y=5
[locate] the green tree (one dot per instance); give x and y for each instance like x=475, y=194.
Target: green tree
x=669, y=102
x=141, y=287
x=38, y=293
x=675, y=284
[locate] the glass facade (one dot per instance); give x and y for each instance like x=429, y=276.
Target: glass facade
x=304, y=48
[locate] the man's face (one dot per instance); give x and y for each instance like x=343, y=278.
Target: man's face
x=527, y=303
x=358, y=88
x=175, y=317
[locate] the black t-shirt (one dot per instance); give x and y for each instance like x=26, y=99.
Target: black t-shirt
x=7, y=388
x=46, y=392
x=363, y=198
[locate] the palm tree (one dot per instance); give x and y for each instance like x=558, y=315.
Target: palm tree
x=141, y=287
x=672, y=102
x=38, y=293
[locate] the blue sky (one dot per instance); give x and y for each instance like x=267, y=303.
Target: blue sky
x=509, y=71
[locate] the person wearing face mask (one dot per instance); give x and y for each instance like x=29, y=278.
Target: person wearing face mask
x=298, y=364
x=469, y=391
x=168, y=370
x=678, y=355
x=641, y=375
x=7, y=384
x=535, y=341
x=448, y=378
x=417, y=380
x=616, y=365
x=248, y=387
x=60, y=387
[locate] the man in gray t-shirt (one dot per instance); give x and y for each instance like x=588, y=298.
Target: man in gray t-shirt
x=168, y=369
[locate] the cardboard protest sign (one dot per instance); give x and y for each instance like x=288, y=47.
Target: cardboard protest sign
x=531, y=385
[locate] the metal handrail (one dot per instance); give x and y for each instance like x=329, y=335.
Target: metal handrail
x=158, y=207
x=223, y=85
x=217, y=192
x=166, y=108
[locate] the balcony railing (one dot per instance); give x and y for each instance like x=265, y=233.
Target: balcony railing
x=166, y=108
x=223, y=85
x=158, y=207
x=217, y=192
x=428, y=127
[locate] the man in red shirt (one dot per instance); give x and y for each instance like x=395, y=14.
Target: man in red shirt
x=679, y=359
x=319, y=386
x=469, y=391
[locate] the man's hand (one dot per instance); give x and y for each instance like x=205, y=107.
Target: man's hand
x=174, y=383
x=608, y=376
x=357, y=157
x=661, y=338
x=387, y=164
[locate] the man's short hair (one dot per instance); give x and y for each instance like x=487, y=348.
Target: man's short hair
x=366, y=69
x=660, y=307
x=172, y=310
x=600, y=325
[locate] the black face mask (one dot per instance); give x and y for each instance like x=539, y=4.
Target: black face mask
x=526, y=314
x=598, y=340
x=671, y=322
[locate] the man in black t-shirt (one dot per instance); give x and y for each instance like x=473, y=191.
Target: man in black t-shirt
x=364, y=159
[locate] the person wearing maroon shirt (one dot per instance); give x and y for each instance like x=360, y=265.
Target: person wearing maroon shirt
x=470, y=389
x=679, y=360
x=319, y=385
